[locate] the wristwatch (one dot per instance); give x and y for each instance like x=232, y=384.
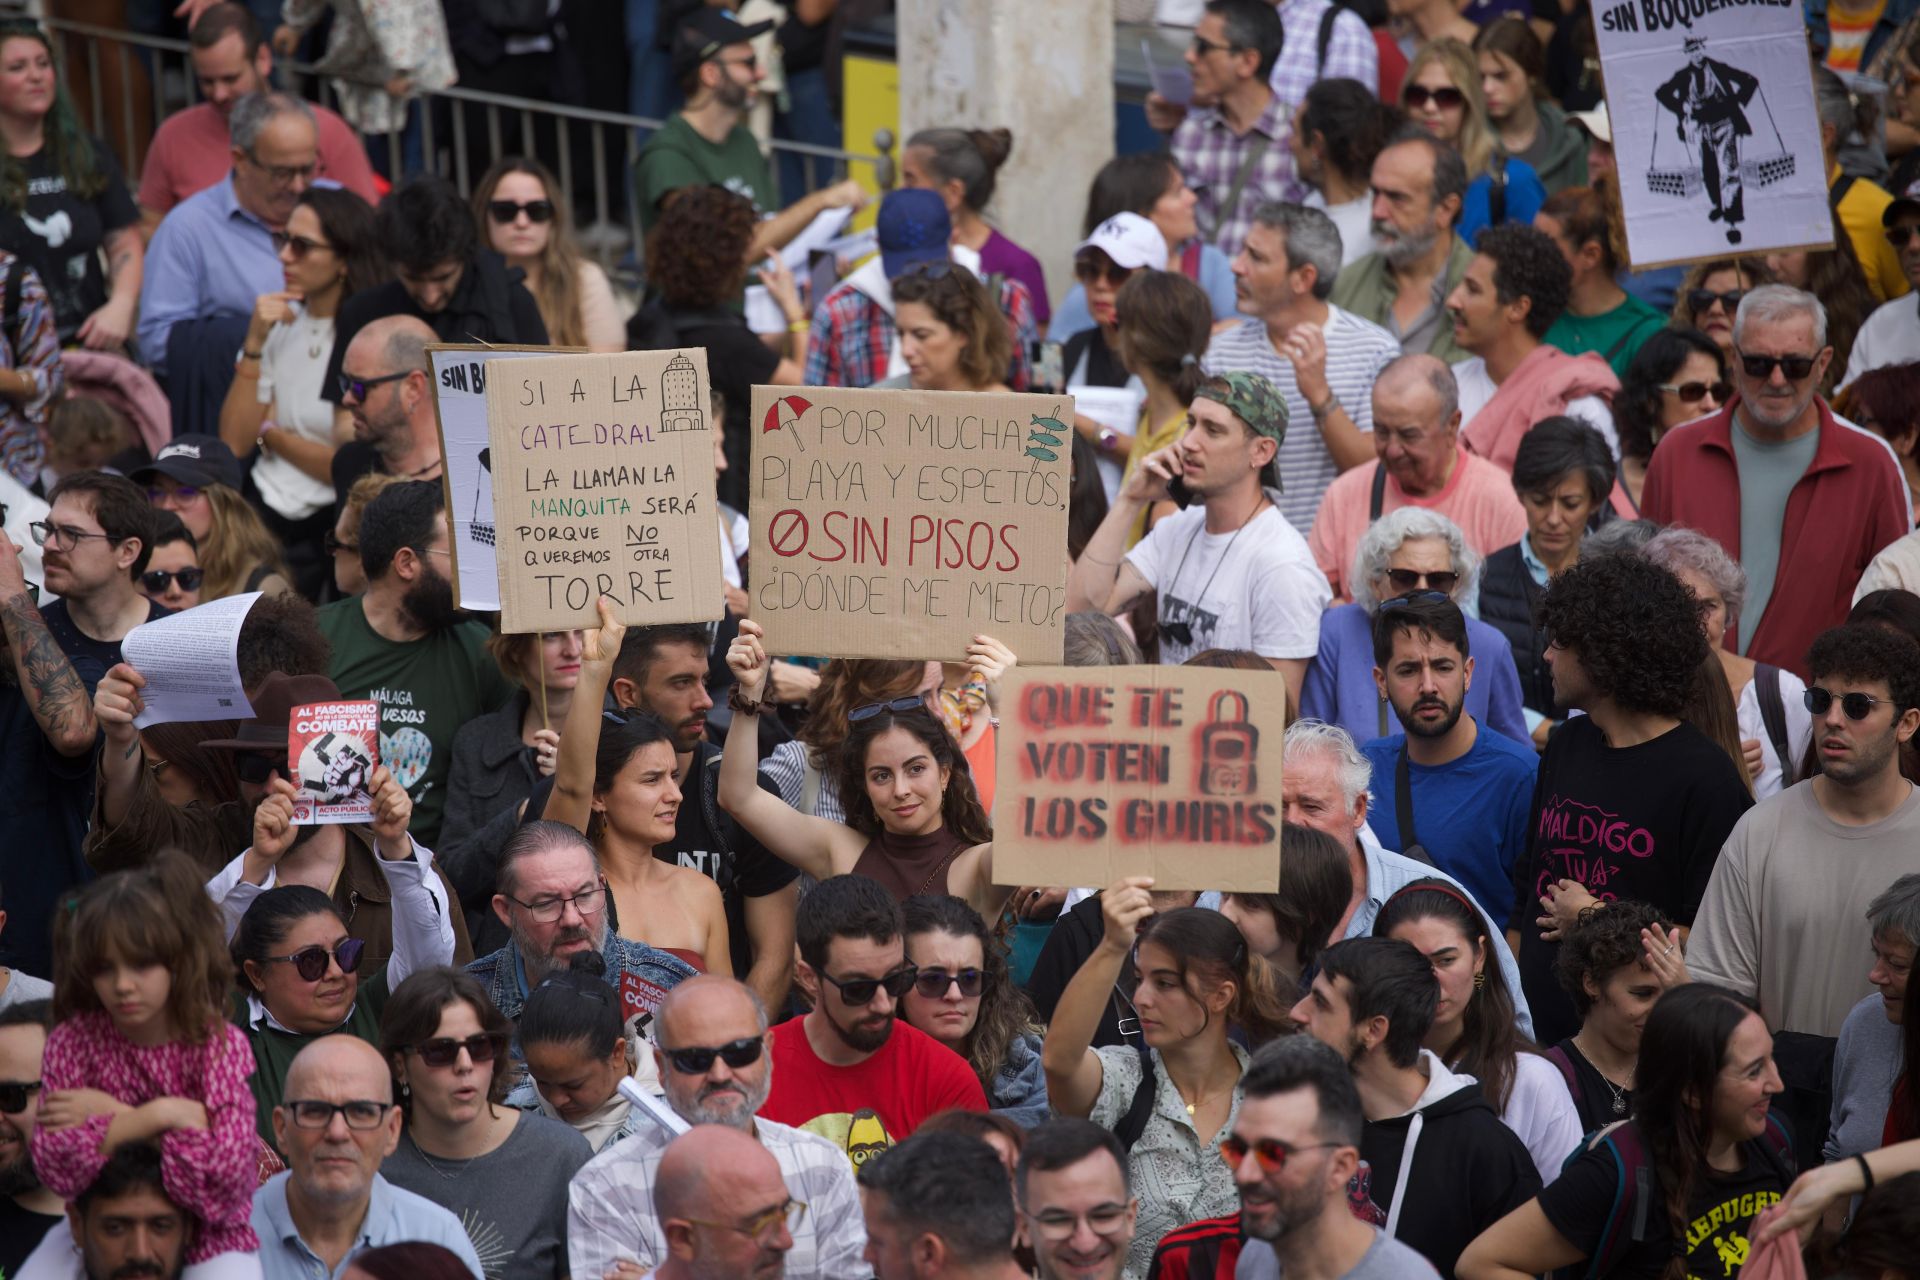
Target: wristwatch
x=1321, y=411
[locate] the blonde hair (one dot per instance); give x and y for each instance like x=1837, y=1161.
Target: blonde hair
x=558, y=294
x=365, y=490
x=237, y=544
x=1475, y=143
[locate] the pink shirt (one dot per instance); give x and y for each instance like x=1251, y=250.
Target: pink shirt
x=1478, y=497
x=191, y=152
x=210, y=1173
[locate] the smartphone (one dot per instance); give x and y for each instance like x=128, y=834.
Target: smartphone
x=1178, y=491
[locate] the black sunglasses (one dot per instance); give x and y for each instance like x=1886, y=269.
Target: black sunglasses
x=311, y=962
x=335, y=546
x=1898, y=236
x=15, y=1094
x=933, y=983
x=505, y=211
x=1858, y=706
x=444, y=1052
x=1406, y=580
x=358, y=387
x=1446, y=97
x=157, y=580
x=735, y=1053
x=1795, y=367
x=300, y=246
x=1690, y=392
x=257, y=768
x=1700, y=301
x=1089, y=269
x=896, y=706
x=858, y=991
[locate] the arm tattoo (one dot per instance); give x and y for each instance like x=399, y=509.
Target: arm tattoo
x=54, y=692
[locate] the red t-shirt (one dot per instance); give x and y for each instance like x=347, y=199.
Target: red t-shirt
x=191, y=152
x=865, y=1109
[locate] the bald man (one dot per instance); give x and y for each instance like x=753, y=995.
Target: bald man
x=1418, y=462
x=335, y=1124
x=386, y=401
x=711, y=1048
x=726, y=1213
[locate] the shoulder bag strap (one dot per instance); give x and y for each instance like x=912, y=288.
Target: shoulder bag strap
x=1255, y=151
x=1403, y=802
x=1839, y=191
x=1134, y=1123
x=1379, y=498
x=1773, y=714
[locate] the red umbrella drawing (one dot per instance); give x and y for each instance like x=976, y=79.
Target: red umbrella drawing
x=785, y=412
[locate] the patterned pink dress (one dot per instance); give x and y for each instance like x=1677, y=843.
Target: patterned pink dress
x=211, y=1173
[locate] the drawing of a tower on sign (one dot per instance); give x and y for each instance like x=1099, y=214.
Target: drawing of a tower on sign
x=680, y=408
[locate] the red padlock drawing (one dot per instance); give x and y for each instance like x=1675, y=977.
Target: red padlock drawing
x=1229, y=744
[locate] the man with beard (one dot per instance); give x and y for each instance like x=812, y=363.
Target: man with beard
x=1442, y=1166
x=848, y=1070
x=1445, y=787
x=1075, y=1201
x=707, y=141
x=553, y=901
x=939, y=1207
x=1419, y=185
x=28, y=1211
x=1762, y=477
x=123, y=1227
x=1807, y=864
x=1294, y=1147
x=404, y=645
x=711, y=1051
x=385, y=392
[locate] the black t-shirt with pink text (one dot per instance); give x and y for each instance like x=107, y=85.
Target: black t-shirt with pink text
x=1644, y=823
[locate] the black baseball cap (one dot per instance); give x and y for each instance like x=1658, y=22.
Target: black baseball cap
x=706, y=32
x=197, y=460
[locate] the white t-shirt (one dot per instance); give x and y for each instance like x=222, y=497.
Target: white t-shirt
x=290, y=382
x=734, y=537
x=1799, y=729
x=1541, y=1114
x=1891, y=335
x=1354, y=221
x=1476, y=388
x=1255, y=588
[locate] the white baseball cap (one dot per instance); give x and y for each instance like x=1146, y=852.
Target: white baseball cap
x=1130, y=240
x=1595, y=122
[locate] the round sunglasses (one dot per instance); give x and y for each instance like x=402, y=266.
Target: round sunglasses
x=311, y=962
x=1858, y=706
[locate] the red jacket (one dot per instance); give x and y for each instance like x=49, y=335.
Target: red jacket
x=1850, y=503
x=1205, y=1250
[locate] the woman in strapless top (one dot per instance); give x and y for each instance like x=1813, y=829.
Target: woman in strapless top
x=914, y=820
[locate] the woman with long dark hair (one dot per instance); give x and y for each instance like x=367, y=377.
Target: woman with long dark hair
x=1290, y=929
x=965, y=998
x=1195, y=979
x=803, y=769
x=913, y=819
x=1678, y=374
x=524, y=217
x=1702, y=1148
x=1162, y=328
x=1474, y=1031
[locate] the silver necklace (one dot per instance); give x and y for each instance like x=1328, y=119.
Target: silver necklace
x=1619, y=1092
x=428, y=1160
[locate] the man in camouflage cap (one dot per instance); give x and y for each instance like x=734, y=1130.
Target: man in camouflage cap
x=1230, y=571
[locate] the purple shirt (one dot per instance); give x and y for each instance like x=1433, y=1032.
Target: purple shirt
x=1001, y=256
x=1339, y=686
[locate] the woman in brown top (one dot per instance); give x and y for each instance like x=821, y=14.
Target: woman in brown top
x=914, y=820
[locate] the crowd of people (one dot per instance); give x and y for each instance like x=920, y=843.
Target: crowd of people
x=662, y=953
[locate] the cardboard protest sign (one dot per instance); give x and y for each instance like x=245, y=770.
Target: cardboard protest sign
x=332, y=748
x=603, y=484
x=1715, y=134
x=901, y=524
x=458, y=376
x=1169, y=772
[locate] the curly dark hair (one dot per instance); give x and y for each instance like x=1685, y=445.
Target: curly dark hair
x=1637, y=404
x=1006, y=1013
x=1634, y=627
x=1527, y=264
x=1865, y=652
x=960, y=808
x=1351, y=120
x=697, y=252
x=1603, y=941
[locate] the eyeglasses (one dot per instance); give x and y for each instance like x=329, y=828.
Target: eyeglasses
x=1690, y=392
x=256, y=768
x=1858, y=706
x=792, y=1213
x=1898, y=236
x=1700, y=301
x=1447, y=98
x=283, y=175
x=179, y=493
x=896, y=706
x=14, y=1095
x=933, y=983
x=1795, y=367
x=335, y=546
x=62, y=537
x=298, y=246
x=1405, y=580
x=1105, y=1220
x=504, y=212
x=311, y=962
x=1270, y=1152
x=858, y=991
x=444, y=1052
x=1089, y=270
x=158, y=580
x=308, y=1113
x=1203, y=46
x=546, y=910
x=358, y=387
x=697, y=1062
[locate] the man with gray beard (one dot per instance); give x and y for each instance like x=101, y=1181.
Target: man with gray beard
x=1419, y=185
x=711, y=1050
